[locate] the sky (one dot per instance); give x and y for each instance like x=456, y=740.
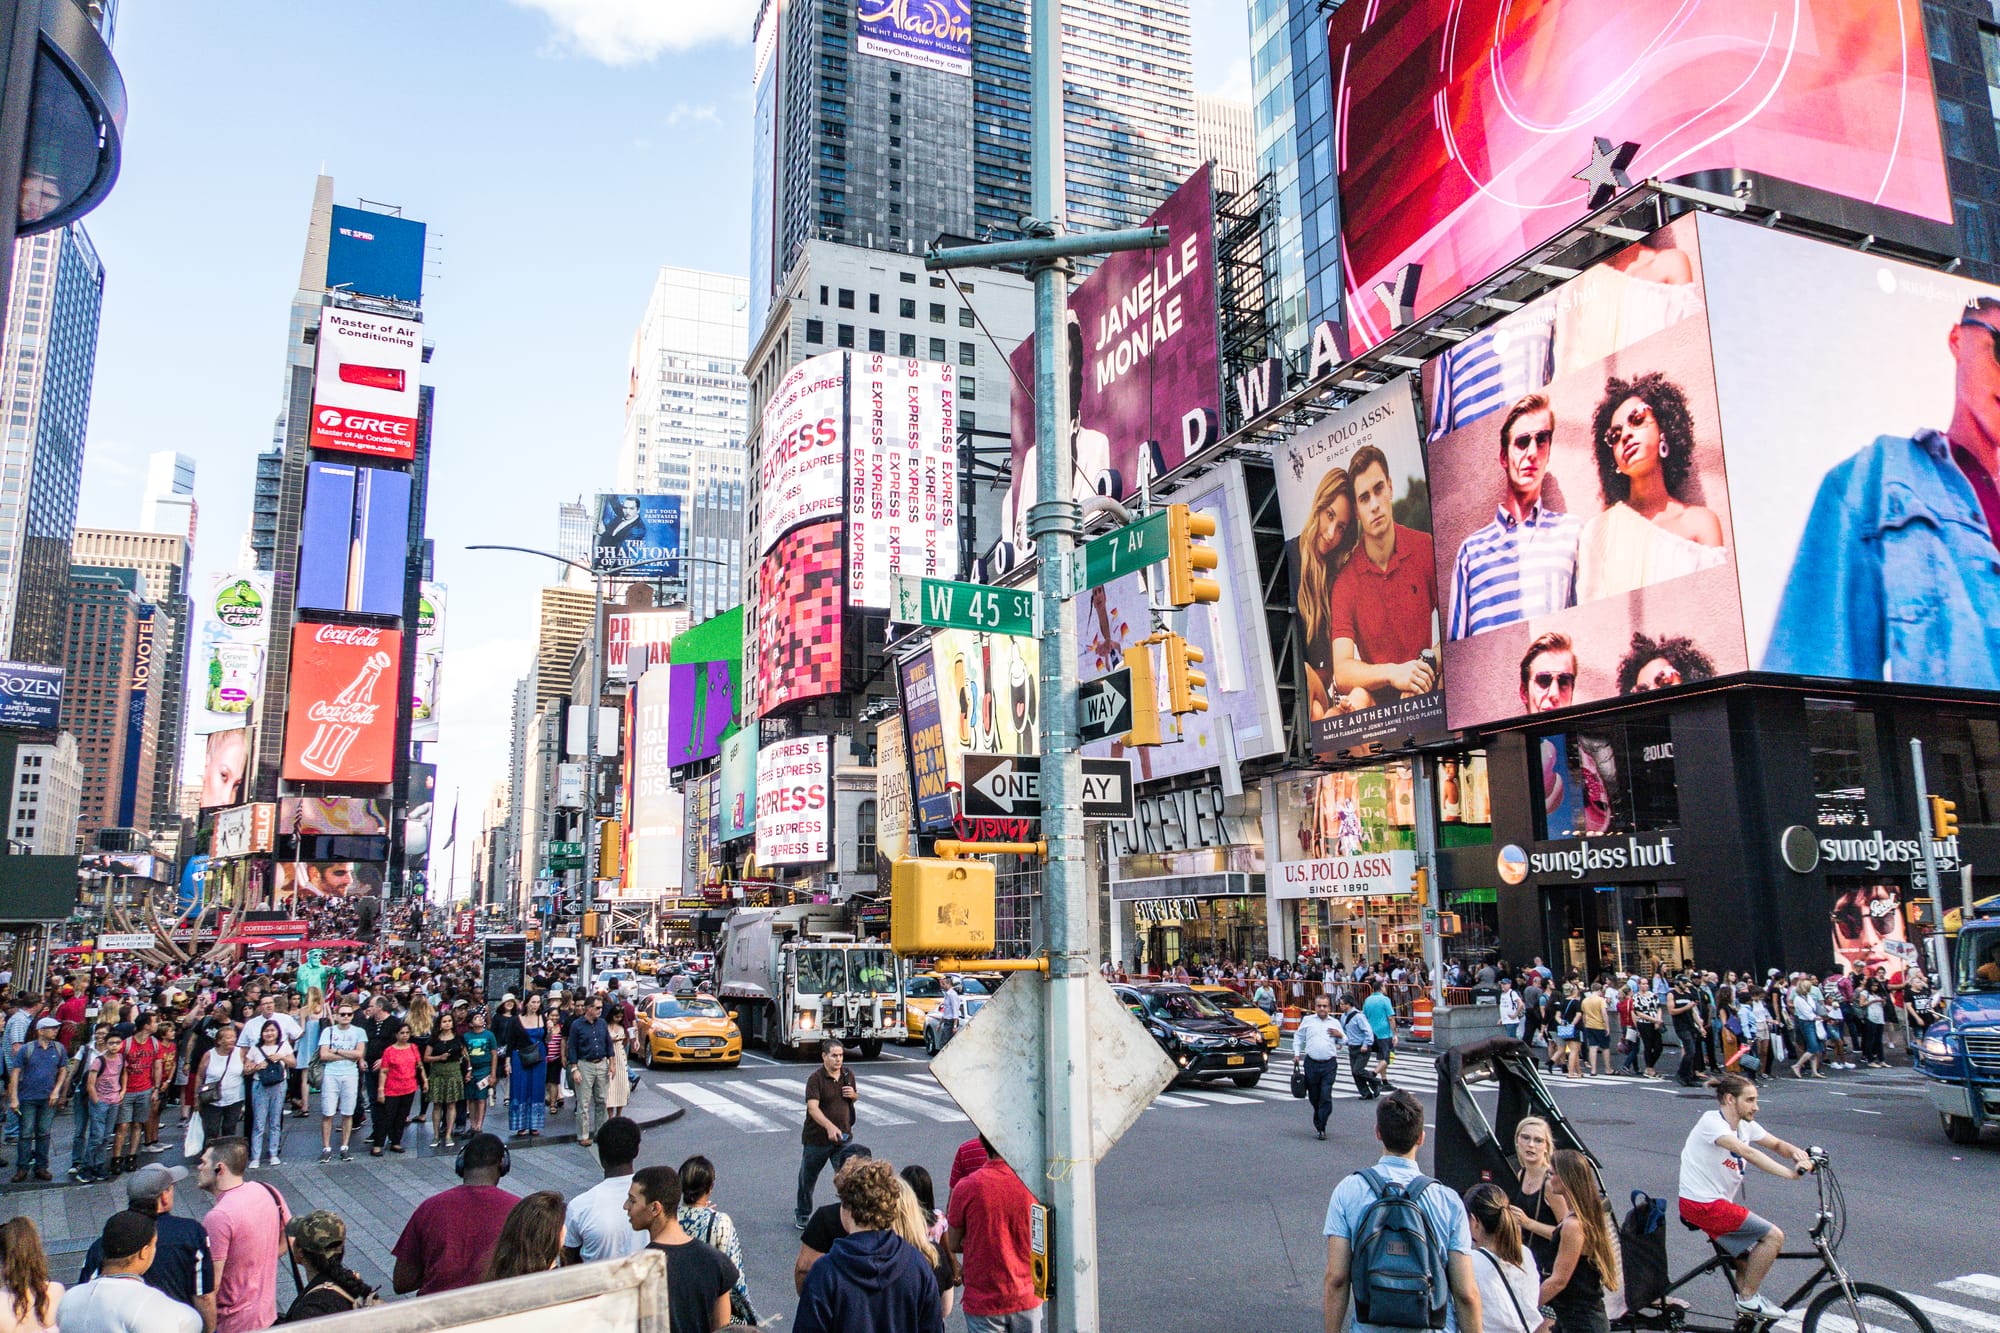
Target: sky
x=559, y=151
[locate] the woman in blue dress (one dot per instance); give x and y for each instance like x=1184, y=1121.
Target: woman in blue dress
x=528, y=1079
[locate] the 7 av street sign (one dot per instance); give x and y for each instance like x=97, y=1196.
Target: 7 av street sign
x=1009, y=786
x=1104, y=706
x=972, y=606
x=1120, y=551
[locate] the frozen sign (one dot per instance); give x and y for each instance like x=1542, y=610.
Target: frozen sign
x=1364, y=875
x=805, y=448
x=931, y=34
x=902, y=474
x=794, y=809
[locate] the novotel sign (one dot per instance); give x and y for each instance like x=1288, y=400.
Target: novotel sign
x=30, y=695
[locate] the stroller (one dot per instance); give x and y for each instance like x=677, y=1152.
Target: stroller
x=1467, y=1149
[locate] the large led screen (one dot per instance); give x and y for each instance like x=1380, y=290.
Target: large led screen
x=1460, y=125
x=1582, y=518
x=375, y=254
x=794, y=801
x=804, y=458
x=655, y=810
x=1357, y=519
x=1236, y=650
x=228, y=666
x=365, y=384
x=902, y=471
x=1145, y=379
x=988, y=696
x=931, y=778
x=798, y=631
x=637, y=536
x=934, y=34
x=1862, y=402
x=341, y=726
x=354, y=537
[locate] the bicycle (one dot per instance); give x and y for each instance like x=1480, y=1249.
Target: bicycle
x=1848, y=1305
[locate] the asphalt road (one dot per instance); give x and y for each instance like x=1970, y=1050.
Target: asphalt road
x=1212, y=1205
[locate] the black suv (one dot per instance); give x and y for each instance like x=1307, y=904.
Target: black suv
x=1203, y=1041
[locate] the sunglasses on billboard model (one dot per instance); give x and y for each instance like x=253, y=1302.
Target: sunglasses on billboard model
x=1544, y=679
x=1985, y=328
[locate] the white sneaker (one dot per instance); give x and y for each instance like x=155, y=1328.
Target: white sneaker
x=1760, y=1305
x=275, y=1161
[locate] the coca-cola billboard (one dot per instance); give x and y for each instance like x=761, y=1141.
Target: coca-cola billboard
x=341, y=723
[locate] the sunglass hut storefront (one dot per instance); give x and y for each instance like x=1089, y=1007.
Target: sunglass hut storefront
x=1743, y=829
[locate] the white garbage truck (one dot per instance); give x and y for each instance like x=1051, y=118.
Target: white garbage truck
x=795, y=976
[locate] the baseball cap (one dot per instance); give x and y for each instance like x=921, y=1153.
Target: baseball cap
x=127, y=1233
x=47, y=1023
x=123, y=1029
x=152, y=1180
x=320, y=1231
x=69, y=990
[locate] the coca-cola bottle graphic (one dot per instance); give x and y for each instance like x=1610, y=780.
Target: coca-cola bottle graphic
x=341, y=719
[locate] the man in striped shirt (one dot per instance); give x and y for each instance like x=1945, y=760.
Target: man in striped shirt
x=1523, y=563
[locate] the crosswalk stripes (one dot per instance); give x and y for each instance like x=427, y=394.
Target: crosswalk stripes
x=866, y=1111
x=1946, y=1316
x=713, y=1102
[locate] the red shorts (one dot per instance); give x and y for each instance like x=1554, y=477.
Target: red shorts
x=1716, y=1217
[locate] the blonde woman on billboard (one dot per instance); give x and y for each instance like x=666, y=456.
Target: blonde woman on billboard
x=1645, y=454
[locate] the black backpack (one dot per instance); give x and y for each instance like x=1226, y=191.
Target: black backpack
x=1398, y=1265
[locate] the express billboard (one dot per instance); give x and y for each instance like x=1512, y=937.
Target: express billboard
x=1872, y=553
x=354, y=539
x=365, y=384
x=1356, y=506
x=797, y=636
x=902, y=470
x=931, y=778
x=1236, y=649
x=1460, y=129
x=794, y=801
x=930, y=34
x=30, y=695
x=802, y=465
x=375, y=254
x=1583, y=516
x=637, y=536
x=234, y=637
x=1145, y=377
x=340, y=725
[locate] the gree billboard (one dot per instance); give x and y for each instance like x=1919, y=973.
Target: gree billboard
x=365, y=384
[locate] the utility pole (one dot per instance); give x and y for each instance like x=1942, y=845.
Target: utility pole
x=1941, y=962
x=1069, y=1169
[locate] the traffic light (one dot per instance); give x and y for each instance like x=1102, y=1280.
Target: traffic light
x=610, y=849
x=1185, y=560
x=1449, y=923
x=1944, y=818
x=1145, y=697
x=1420, y=884
x=1182, y=680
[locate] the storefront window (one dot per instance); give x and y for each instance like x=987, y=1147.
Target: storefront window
x=1962, y=764
x=1613, y=779
x=1846, y=761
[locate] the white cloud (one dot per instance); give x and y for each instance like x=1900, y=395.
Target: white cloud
x=683, y=114
x=1235, y=85
x=627, y=32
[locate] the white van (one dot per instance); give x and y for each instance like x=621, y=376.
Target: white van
x=561, y=949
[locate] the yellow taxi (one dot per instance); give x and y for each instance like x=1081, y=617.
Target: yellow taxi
x=1240, y=1007
x=688, y=1029
x=647, y=965
x=923, y=991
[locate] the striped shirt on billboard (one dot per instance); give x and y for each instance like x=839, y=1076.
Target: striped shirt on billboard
x=1513, y=569
x=1488, y=372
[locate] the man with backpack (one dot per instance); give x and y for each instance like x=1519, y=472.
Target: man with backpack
x=1398, y=1248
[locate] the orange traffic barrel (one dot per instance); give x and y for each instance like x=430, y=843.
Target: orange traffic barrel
x=1420, y=1018
x=1289, y=1022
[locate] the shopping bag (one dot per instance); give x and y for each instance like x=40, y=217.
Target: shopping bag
x=195, y=1139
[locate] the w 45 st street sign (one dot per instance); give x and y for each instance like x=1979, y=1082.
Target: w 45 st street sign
x=973, y=606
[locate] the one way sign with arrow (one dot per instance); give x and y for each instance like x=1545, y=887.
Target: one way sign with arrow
x=1104, y=706
x=1010, y=787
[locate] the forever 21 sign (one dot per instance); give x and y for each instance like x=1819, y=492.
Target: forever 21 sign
x=1171, y=821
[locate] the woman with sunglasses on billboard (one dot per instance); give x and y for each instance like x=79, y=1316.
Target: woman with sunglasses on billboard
x=1648, y=532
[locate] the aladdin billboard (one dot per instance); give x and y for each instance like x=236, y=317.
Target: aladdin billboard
x=365, y=384
x=1460, y=128
x=930, y=34
x=1145, y=379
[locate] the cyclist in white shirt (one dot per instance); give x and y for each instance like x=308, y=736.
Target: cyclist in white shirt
x=1712, y=1178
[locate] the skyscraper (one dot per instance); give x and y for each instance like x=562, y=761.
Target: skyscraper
x=861, y=141
x=102, y=640
x=1224, y=135
x=46, y=367
x=686, y=416
x=1288, y=66
x=160, y=559
x=168, y=502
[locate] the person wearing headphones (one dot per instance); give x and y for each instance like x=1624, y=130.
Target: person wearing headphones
x=449, y=1239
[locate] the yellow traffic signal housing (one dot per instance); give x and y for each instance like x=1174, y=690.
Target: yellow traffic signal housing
x=610, y=849
x=1186, y=560
x=1182, y=680
x=1450, y=924
x=1420, y=884
x=1944, y=818
x=941, y=907
x=590, y=925
x=1145, y=697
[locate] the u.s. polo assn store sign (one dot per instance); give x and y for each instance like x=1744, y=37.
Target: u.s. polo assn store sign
x=1363, y=875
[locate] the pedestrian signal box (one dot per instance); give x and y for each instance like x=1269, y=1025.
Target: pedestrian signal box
x=1041, y=1247
x=942, y=907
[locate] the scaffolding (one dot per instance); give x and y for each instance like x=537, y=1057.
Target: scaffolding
x=1243, y=220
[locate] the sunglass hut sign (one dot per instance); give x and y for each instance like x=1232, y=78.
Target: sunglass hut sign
x=1639, y=856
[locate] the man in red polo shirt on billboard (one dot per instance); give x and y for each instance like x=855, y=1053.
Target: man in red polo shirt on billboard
x=1382, y=611
x=988, y=1221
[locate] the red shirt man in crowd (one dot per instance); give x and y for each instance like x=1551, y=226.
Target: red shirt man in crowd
x=988, y=1221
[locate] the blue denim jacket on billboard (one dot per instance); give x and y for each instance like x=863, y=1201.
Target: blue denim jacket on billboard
x=1896, y=576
